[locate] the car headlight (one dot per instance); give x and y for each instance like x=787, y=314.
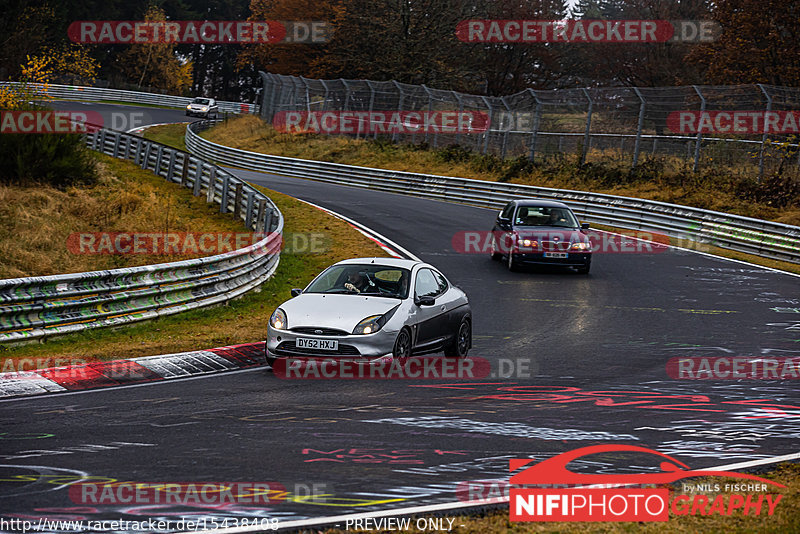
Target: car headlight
x=373, y=323
x=204, y=108
x=581, y=246
x=188, y=106
x=529, y=243
x=278, y=320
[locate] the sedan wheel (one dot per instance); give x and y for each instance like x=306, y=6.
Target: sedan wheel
x=402, y=345
x=512, y=265
x=493, y=251
x=460, y=345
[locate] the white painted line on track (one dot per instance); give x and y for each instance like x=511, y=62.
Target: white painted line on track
x=449, y=506
x=140, y=129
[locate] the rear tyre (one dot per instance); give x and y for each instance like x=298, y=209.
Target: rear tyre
x=461, y=342
x=402, y=345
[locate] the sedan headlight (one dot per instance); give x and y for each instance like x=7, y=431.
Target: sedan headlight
x=373, y=323
x=581, y=246
x=278, y=320
x=204, y=108
x=529, y=243
x=188, y=106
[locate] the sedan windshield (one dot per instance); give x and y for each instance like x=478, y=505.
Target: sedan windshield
x=203, y=101
x=354, y=279
x=545, y=216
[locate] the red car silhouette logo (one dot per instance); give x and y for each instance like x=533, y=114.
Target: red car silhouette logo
x=554, y=470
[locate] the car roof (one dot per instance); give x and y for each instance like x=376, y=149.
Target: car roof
x=389, y=262
x=540, y=202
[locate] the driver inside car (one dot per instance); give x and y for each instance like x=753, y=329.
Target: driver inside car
x=357, y=282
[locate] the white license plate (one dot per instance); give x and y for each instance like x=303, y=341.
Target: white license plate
x=555, y=255
x=316, y=344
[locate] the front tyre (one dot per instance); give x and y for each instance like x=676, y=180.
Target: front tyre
x=512, y=264
x=461, y=342
x=402, y=345
x=493, y=251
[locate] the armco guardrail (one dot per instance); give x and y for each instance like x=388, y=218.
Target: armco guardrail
x=753, y=236
x=39, y=307
x=76, y=92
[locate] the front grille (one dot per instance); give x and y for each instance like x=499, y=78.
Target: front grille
x=288, y=348
x=313, y=330
x=555, y=246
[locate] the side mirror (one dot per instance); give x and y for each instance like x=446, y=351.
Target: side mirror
x=584, y=226
x=296, y=291
x=425, y=301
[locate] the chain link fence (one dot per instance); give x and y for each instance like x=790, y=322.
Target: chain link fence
x=624, y=123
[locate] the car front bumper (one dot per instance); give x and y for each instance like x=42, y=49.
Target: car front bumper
x=282, y=344
x=573, y=259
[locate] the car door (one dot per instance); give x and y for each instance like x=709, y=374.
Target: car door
x=448, y=302
x=502, y=228
x=428, y=320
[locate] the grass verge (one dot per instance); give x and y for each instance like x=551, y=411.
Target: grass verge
x=36, y=221
x=240, y=321
x=167, y=134
x=786, y=517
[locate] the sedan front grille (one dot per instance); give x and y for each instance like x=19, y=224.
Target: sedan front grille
x=289, y=348
x=316, y=331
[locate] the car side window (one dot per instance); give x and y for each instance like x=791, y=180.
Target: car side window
x=441, y=282
x=426, y=284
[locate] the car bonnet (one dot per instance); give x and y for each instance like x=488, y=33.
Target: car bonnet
x=343, y=312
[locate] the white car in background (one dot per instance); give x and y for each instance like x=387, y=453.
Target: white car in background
x=202, y=107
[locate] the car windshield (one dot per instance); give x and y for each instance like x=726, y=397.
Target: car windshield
x=545, y=216
x=203, y=101
x=355, y=279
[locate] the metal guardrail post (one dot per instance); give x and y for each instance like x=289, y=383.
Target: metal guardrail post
x=639, y=127
x=212, y=185
x=586, y=135
x=115, y=152
x=237, y=200
x=260, y=218
x=248, y=214
x=764, y=135
x=171, y=166
x=137, y=157
x=146, y=160
x=198, y=179
x=185, y=171
x=699, y=133
x=159, y=156
x=223, y=204
x=268, y=221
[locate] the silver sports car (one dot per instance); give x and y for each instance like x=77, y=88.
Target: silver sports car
x=368, y=308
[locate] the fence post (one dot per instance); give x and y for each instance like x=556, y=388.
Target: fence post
x=458, y=122
x=371, y=107
x=535, y=128
x=308, y=95
x=237, y=200
x=325, y=97
x=764, y=135
x=430, y=112
x=639, y=128
x=223, y=203
x=396, y=134
x=699, y=133
x=489, y=128
x=586, y=135
x=502, y=127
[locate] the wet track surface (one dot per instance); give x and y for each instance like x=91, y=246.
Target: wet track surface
x=587, y=357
